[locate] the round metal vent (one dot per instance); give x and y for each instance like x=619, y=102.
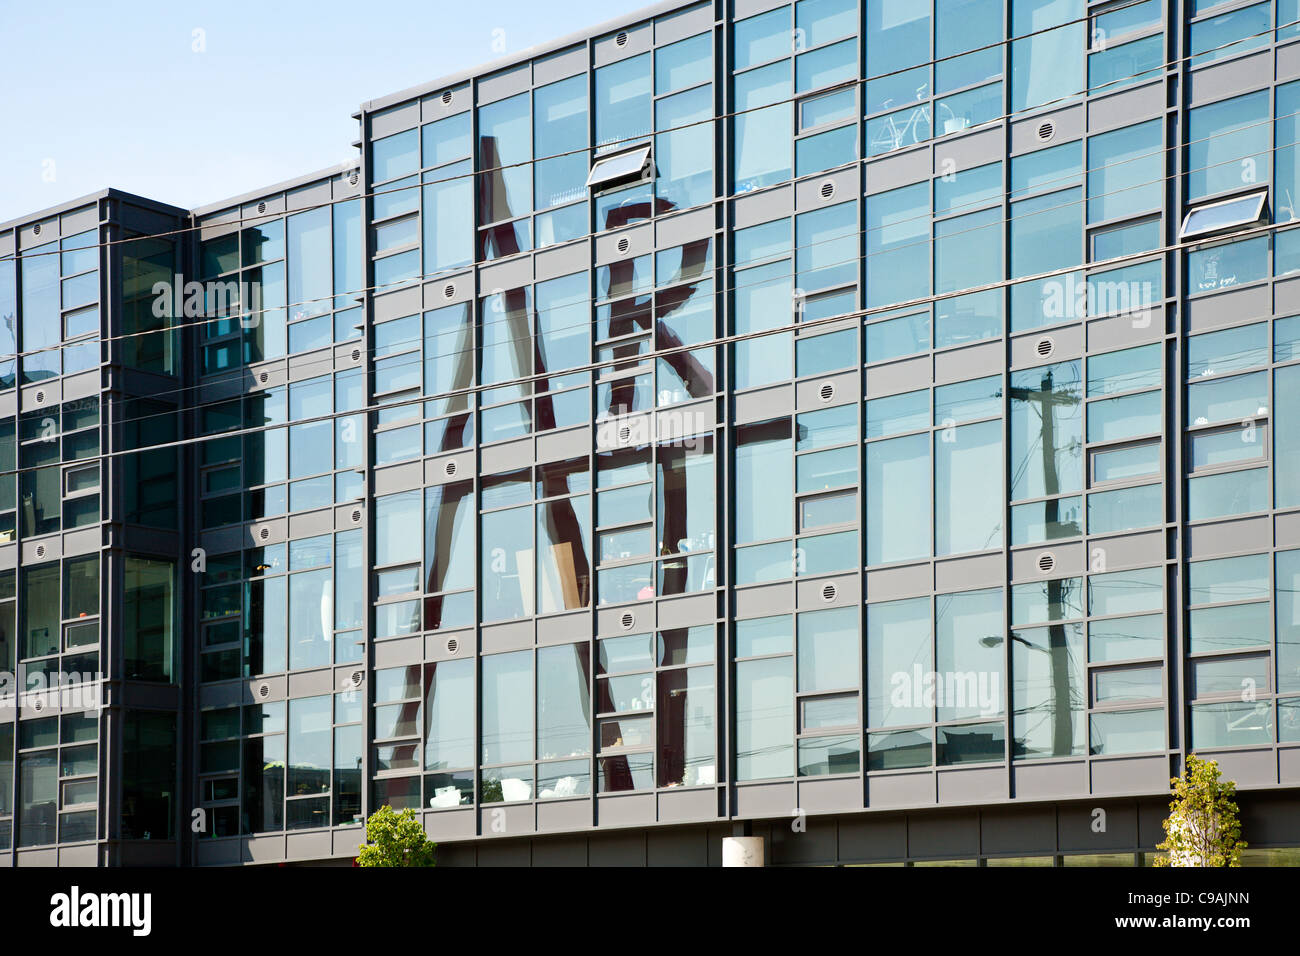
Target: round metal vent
x=357, y=678
x=446, y=97
x=628, y=620
x=829, y=592
x=263, y=377
x=624, y=244
x=40, y=397
x=452, y=645
x=356, y=516
x=448, y=290
x=621, y=39
x=261, y=207
x=1045, y=346
x=827, y=391
x=1046, y=131
x=38, y=705
x=36, y=229
x=263, y=690
x=264, y=533
x=828, y=189
x=1046, y=562
x=356, y=355
x=40, y=550
x=624, y=433
x=354, y=177
x=449, y=469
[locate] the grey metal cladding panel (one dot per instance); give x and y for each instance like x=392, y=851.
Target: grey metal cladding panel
x=317, y=194
x=617, y=849
x=570, y=852
x=346, y=841
x=461, y=287
x=906, y=168
x=310, y=365
x=7, y=244
x=901, y=790
x=507, y=637
x=265, y=849
x=47, y=394
x=1068, y=123
x=955, y=154
x=506, y=275
x=566, y=260
x=687, y=23
x=75, y=856
x=1288, y=765
x=1286, y=530
x=398, y=653
x=38, y=857
x=394, y=120
x=49, y=231
x=814, y=843
x=512, y=820
x=1221, y=80
x=606, y=50
x=1248, y=768
x=1017, y=830
x=970, y=362
x=1075, y=826
x=684, y=806
x=349, y=354
x=943, y=835
x=907, y=580
x=764, y=403
x=1124, y=109
x=1288, y=62
x=513, y=853
x=506, y=456
x=564, y=815
x=1128, y=550
x=825, y=796
x=972, y=785
x=436, y=649
x=504, y=84
x=219, y=852
x=85, y=541
x=1227, y=308
x=220, y=542
x=747, y=8
x=392, y=305
x=677, y=847
x=1271, y=819
x=955, y=574
x=462, y=465
x=308, y=846
x=43, y=549
x=575, y=626
x=1121, y=331
x=764, y=600
x=396, y=478
x=872, y=838
x=622, y=810
x=274, y=205
x=1036, y=781
x=450, y=824
x=81, y=386
x=1070, y=559
x=1067, y=343
x=80, y=220
x=277, y=530
x=1131, y=775
x=609, y=620
x=687, y=611
x=311, y=683
x=895, y=377
x=8, y=556
x=810, y=595
x=685, y=422
x=1229, y=537
x=640, y=239
x=765, y=800
x=276, y=689
x=675, y=230
x=559, y=66
x=341, y=187
x=844, y=182
x=1286, y=296
x=762, y=207
x=433, y=108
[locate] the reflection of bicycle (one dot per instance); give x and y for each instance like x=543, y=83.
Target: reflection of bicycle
x=890, y=135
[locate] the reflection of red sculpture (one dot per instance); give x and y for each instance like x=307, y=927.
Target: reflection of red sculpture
x=645, y=592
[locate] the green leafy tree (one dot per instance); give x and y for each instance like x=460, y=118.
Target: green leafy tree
x=395, y=839
x=1202, y=828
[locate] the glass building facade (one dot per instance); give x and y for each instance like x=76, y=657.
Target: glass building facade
x=454, y=481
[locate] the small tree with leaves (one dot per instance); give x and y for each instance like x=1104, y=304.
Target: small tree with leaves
x=1202, y=828
x=395, y=839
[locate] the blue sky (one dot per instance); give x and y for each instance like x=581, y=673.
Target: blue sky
x=108, y=94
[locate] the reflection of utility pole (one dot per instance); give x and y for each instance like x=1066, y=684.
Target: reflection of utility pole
x=1046, y=400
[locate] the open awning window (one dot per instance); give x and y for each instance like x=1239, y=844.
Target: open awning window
x=609, y=170
x=1213, y=218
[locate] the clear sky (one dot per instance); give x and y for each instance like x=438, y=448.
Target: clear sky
x=129, y=95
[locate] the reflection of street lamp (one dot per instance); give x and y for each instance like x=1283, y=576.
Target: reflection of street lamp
x=1062, y=729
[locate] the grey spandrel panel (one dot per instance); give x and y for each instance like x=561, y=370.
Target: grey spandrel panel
x=636, y=40
x=972, y=362
x=392, y=305
x=1008, y=830
x=1221, y=80
x=1066, y=343
x=764, y=799
x=1121, y=331
x=398, y=653
x=640, y=240
x=1248, y=768
x=47, y=394
x=395, y=478
x=686, y=611
x=38, y=233
x=505, y=456
x=448, y=102
x=264, y=689
x=762, y=207
x=80, y=220
x=894, y=171
x=1123, y=108
x=626, y=810
x=7, y=244
x=559, y=66
x=507, y=637
x=686, y=23
x=762, y=600
x=904, y=581
x=259, y=211
x=448, y=468
x=685, y=806
x=506, y=83
x=1031, y=781
x=308, y=196
x=811, y=595
x=449, y=290
x=953, y=154
x=1288, y=62
x=562, y=261
x=311, y=523
x=1286, y=296
x=1067, y=125
x=1229, y=537
x=1070, y=558
x=902, y=376
x=1226, y=308
x=507, y=275
x=678, y=230
x=808, y=193
x=1076, y=829
x=969, y=572
x=514, y=820
x=1286, y=530
x=808, y=394
x=1130, y=775
x=942, y=835
x=764, y=403
x=973, y=784
x=394, y=120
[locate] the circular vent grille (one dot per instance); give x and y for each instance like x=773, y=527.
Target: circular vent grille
x=261, y=207
x=624, y=244
x=263, y=377
x=827, y=391
x=1045, y=346
x=40, y=397
x=448, y=290
x=356, y=355
x=264, y=533
x=628, y=620
x=36, y=229
x=353, y=178
x=449, y=469
x=452, y=645
x=40, y=550
x=1046, y=131
x=829, y=592
x=38, y=705
x=263, y=691
x=446, y=97
x=624, y=433
x=620, y=40
x=356, y=516
x=1046, y=562
x=828, y=189
x=357, y=678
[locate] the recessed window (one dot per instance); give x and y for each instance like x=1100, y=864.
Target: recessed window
x=1216, y=217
